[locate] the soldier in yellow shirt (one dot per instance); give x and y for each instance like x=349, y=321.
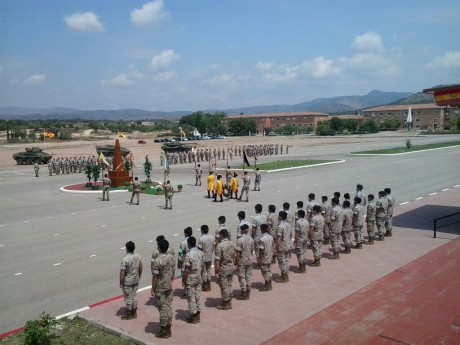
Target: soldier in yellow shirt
x=234, y=186
x=210, y=184
x=219, y=190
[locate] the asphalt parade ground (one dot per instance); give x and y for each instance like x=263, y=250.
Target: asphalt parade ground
x=61, y=251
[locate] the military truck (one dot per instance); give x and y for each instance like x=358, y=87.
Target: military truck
x=176, y=147
x=108, y=150
x=32, y=155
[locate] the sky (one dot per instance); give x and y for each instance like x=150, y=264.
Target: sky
x=168, y=55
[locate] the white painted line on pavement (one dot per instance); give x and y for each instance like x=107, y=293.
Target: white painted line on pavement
x=175, y=235
x=1, y=224
x=403, y=203
x=445, y=190
x=50, y=217
x=2, y=245
x=433, y=193
x=56, y=234
x=143, y=217
x=73, y=213
x=26, y=221
x=419, y=198
x=123, y=248
x=103, y=225
x=458, y=185
x=92, y=255
x=70, y=313
x=150, y=241
x=145, y=288
x=57, y=264
x=18, y=274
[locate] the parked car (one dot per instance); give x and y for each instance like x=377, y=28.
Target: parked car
x=141, y=142
x=271, y=134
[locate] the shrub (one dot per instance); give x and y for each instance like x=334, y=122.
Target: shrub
x=179, y=186
x=408, y=144
x=38, y=332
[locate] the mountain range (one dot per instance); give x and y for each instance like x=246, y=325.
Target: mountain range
x=344, y=104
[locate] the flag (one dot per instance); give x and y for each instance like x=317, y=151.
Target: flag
x=121, y=135
x=131, y=160
x=103, y=160
x=166, y=165
x=49, y=135
x=245, y=159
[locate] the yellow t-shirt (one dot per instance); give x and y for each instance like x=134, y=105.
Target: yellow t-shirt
x=234, y=184
x=219, y=187
x=210, y=182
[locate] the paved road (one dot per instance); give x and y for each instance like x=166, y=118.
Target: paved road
x=61, y=251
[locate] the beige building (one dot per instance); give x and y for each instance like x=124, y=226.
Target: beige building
x=424, y=116
x=299, y=120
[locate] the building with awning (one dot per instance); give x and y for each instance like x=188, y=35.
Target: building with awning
x=446, y=95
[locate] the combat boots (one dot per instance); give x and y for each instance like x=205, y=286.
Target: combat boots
x=347, y=250
x=316, y=263
x=370, y=241
x=358, y=246
x=302, y=268
x=380, y=238
x=335, y=256
x=128, y=315
x=193, y=318
x=134, y=313
x=388, y=233
x=326, y=241
x=164, y=332
x=283, y=279
x=248, y=293
x=226, y=305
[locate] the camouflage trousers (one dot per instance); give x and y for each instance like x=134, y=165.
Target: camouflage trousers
x=335, y=241
x=168, y=199
x=301, y=251
x=327, y=230
x=257, y=185
x=346, y=238
x=206, y=274
x=193, y=297
x=163, y=301
x=226, y=290
x=266, y=270
x=244, y=189
x=389, y=223
x=283, y=261
x=105, y=192
x=380, y=226
x=244, y=273
x=358, y=232
x=135, y=194
x=316, y=246
x=198, y=180
x=130, y=294
x=371, y=228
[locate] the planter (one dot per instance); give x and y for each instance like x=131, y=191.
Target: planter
x=88, y=184
x=179, y=189
x=95, y=187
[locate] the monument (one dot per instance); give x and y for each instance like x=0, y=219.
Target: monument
x=118, y=175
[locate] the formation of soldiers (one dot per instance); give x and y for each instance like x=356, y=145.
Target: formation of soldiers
x=269, y=237
x=67, y=165
x=221, y=153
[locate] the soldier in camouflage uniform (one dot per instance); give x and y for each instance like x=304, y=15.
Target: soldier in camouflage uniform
x=136, y=190
x=336, y=228
x=162, y=278
x=156, y=252
x=220, y=226
x=283, y=243
x=370, y=218
x=389, y=220
x=206, y=245
x=326, y=209
x=246, y=185
x=316, y=234
x=272, y=220
x=169, y=192
x=50, y=167
x=309, y=208
x=347, y=225
x=198, y=173
x=257, y=180
x=130, y=274
x=191, y=279
x=223, y=266
x=265, y=255
x=358, y=222
x=381, y=210
x=105, y=187
x=300, y=240
x=257, y=221
x=183, y=250
x=243, y=252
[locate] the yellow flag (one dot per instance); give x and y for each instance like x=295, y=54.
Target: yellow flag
x=103, y=160
x=121, y=135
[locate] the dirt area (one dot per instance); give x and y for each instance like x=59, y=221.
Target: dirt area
x=86, y=147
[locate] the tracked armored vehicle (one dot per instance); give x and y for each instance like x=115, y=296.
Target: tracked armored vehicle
x=176, y=147
x=108, y=150
x=32, y=155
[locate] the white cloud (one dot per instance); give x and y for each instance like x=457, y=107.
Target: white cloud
x=149, y=13
x=319, y=67
x=285, y=75
x=85, y=22
x=124, y=79
x=1, y=68
x=214, y=67
x=370, y=41
x=164, y=59
x=376, y=64
x=165, y=76
x=35, y=79
x=450, y=60
x=264, y=66
x=228, y=79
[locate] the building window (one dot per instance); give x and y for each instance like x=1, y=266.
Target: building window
x=277, y=119
x=435, y=111
x=418, y=112
x=417, y=120
x=300, y=118
x=435, y=119
x=389, y=114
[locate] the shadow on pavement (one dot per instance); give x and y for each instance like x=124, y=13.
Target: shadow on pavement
x=422, y=219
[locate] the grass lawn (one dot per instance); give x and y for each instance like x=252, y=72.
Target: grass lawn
x=76, y=331
x=414, y=148
x=284, y=164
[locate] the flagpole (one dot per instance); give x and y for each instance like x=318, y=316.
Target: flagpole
x=44, y=138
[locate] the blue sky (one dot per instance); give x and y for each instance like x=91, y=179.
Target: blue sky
x=210, y=54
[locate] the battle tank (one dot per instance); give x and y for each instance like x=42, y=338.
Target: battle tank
x=32, y=155
x=108, y=150
x=176, y=147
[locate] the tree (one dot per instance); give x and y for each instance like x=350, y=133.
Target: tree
x=147, y=168
x=242, y=126
x=370, y=127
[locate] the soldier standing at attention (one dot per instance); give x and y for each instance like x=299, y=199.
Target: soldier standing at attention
x=220, y=226
x=257, y=222
x=136, y=190
x=162, y=278
x=234, y=186
x=358, y=217
x=290, y=219
x=206, y=245
x=241, y=220
x=282, y=246
x=316, y=234
x=336, y=228
x=272, y=220
x=36, y=168
x=309, y=208
x=265, y=256
x=50, y=167
x=246, y=185
x=326, y=212
x=300, y=240
x=346, y=227
x=210, y=184
x=228, y=175
x=169, y=192
x=360, y=194
x=183, y=250
x=258, y=178
x=156, y=252
x=191, y=279
x=105, y=187
x=281, y=149
x=198, y=173
x=219, y=189
x=243, y=252
x=130, y=273
x=389, y=220
x=370, y=218
x=223, y=266
x=381, y=210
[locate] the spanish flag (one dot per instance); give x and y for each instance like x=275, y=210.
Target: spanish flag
x=49, y=135
x=121, y=135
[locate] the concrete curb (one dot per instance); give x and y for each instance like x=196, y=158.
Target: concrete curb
x=397, y=154
x=293, y=168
